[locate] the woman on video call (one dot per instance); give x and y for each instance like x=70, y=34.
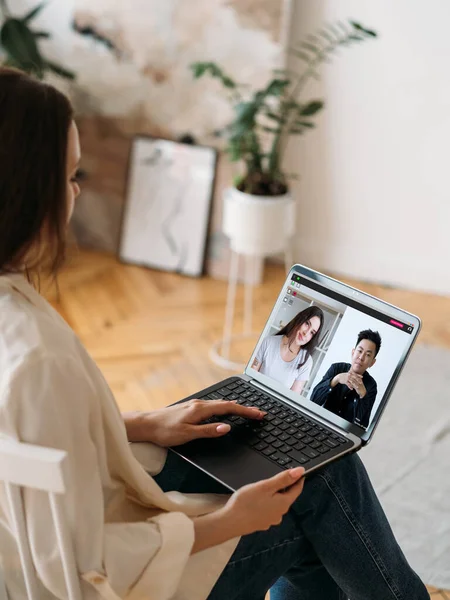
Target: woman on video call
x=287, y=355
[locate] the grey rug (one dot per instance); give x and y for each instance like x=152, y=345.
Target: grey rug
x=409, y=463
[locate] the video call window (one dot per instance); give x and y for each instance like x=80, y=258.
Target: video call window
x=331, y=353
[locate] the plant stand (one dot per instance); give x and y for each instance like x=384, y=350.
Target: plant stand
x=220, y=350
x=257, y=228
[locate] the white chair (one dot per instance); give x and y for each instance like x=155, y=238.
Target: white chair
x=25, y=465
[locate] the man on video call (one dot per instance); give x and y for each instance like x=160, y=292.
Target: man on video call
x=347, y=389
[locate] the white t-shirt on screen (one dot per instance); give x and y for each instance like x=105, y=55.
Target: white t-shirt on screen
x=272, y=365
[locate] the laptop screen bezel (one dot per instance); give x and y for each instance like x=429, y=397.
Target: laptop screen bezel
x=359, y=300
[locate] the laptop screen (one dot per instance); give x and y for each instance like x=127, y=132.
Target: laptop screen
x=334, y=348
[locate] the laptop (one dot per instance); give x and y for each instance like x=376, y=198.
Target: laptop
x=323, y=370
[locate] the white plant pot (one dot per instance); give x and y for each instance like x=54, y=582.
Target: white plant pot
x=258, y=225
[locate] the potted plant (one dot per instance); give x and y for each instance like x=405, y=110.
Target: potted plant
x=259, y=209
x=19, y=44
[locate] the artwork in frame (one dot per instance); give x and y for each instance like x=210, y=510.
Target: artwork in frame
x=167, y=210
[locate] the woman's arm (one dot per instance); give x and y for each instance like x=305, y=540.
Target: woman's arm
x=134, y=421
x=261, y=355
x=256, y=365
x=213, y=529
x=303, y=375
x=184, y=421
x=254, y=507
x=298, y=386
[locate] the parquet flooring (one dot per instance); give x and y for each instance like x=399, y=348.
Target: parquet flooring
x=150, y=332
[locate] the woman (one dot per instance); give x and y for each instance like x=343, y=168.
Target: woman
x=136, y=536
x=286, y=356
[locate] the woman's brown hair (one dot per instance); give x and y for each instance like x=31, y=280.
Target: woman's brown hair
x=34, y=128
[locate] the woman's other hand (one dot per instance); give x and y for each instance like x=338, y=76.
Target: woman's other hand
x=254, y=507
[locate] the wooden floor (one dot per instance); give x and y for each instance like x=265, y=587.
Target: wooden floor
x=150, y=332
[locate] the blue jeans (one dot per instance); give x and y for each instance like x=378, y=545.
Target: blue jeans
x=335, y=542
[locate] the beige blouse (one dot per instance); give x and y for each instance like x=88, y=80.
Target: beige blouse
x=131, y=539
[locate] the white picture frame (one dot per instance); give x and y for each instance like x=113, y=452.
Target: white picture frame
x=166, y=215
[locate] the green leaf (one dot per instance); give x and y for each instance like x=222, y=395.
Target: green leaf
x=296, y=130
x=291, y=105
x=310, y=47
x=276, y=87
x=237, y=179
x=300, y=54
x=239, y=131
x=198, y=69
x=228, y=82
x=359, y=27
x=61, y=71
x=33, y=13
x=343, y=27
x=337, y=32
x=285, y=72
x=311, y=108
x=234, y=151
x=327, y=35
x=274, y=117
x=202, y=68
x=306, y=124
x=245, y=112
x=19, y=42
x=355, y=38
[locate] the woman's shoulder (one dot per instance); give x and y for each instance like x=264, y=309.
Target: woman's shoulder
x=29, y=332
x=20, y=340
x=273, y=341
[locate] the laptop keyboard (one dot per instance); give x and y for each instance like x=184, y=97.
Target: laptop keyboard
x=285, y=436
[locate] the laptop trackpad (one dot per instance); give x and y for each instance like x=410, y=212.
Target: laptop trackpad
x=228, y=461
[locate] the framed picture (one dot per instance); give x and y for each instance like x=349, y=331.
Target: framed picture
x=166, y=214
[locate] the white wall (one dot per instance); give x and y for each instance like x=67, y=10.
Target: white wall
x=374, y=194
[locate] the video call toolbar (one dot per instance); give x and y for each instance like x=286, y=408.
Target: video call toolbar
x=298, y=281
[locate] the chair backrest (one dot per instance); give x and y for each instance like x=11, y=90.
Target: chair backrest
x=25, y=465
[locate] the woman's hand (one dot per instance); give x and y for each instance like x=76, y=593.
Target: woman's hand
x=258, y=506
x=298, y=386
x=181, y=423
x=254, y=507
